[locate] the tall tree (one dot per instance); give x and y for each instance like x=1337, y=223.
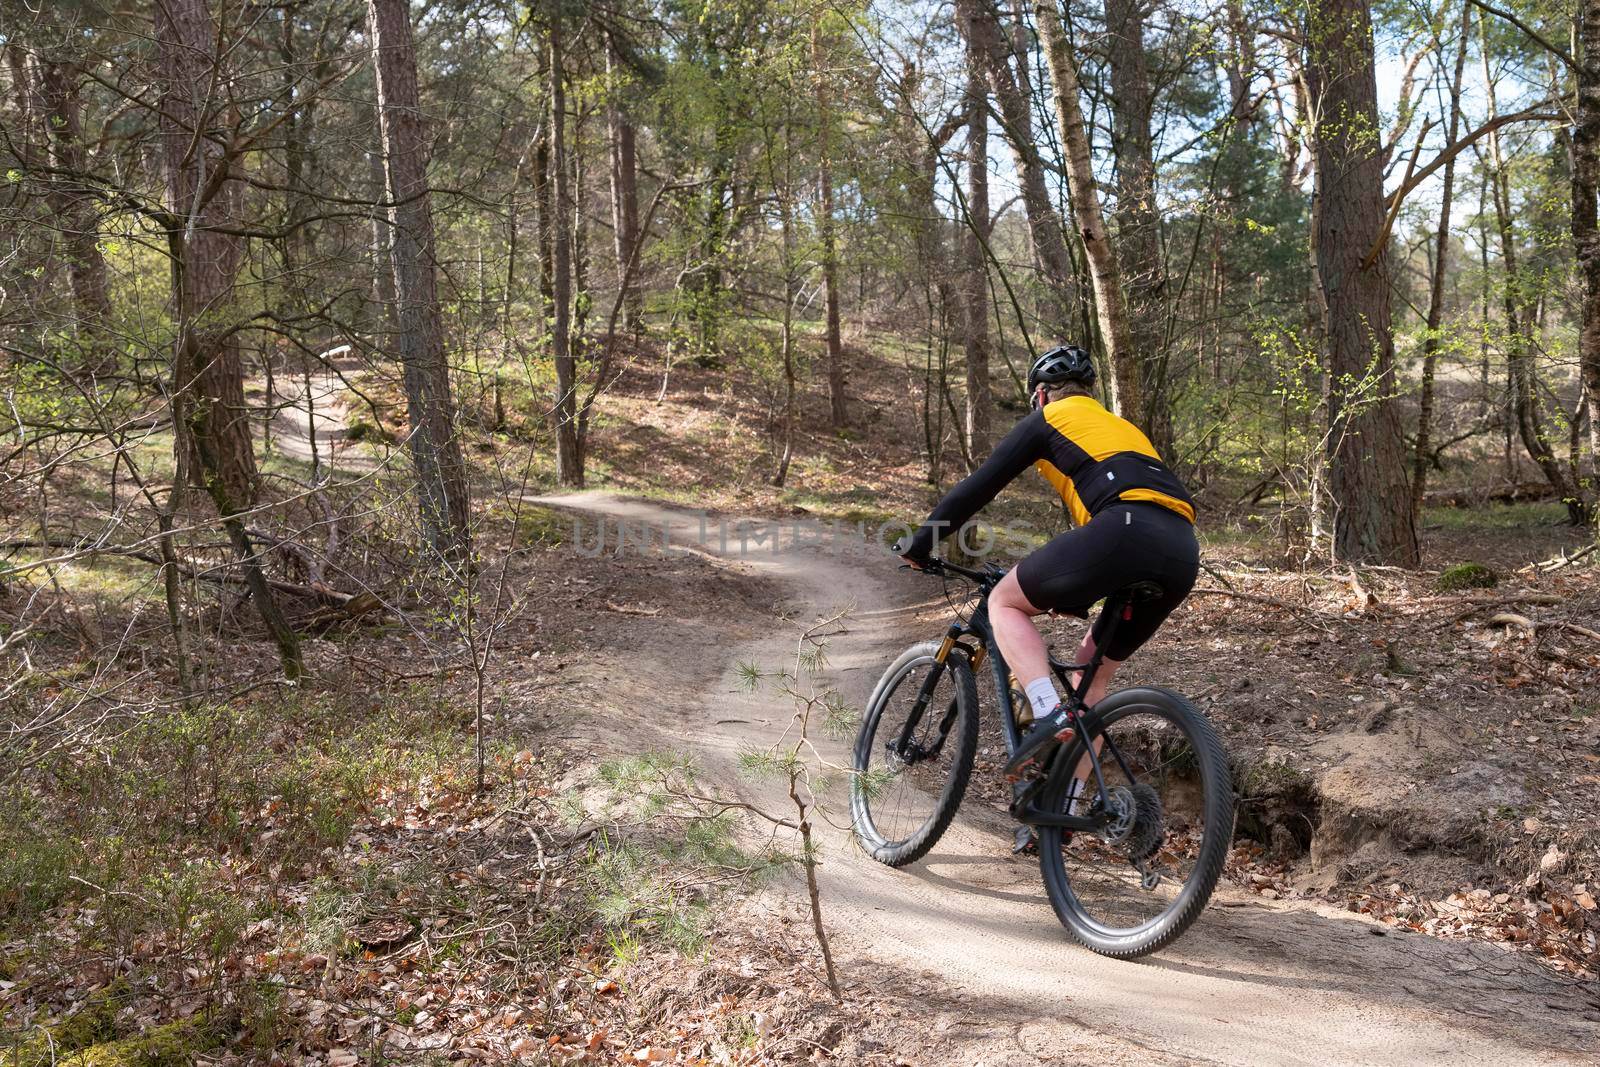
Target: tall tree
x=979, y=21
x=838, y=408
x=1518, y=301
x=1138, y=221
x=209, y=414
x=1105, y=272
x=1365, y=445
x=435, y=452
x=1585, y=231
x=624, y=181
x=74, y=206
x=569, y=455
x=1423, y=457
x=975, y=251
x=385, y=303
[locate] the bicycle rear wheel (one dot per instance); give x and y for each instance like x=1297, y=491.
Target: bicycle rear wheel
x=902, y=798
x=1136, y=886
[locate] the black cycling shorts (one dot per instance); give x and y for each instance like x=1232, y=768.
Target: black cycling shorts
x=1124, y=544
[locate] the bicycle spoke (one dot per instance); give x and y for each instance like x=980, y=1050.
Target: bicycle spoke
x=910, y=771
x=1110, y=889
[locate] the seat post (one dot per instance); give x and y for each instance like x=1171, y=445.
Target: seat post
x=1115, y=610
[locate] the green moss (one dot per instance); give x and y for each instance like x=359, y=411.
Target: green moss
x=1466, y=576
x=93, y=1024
x=1270, y=778
x=173, y=1045
x=362, y=429
x=91, y=1037
x=542, y=526
x=1496, y=516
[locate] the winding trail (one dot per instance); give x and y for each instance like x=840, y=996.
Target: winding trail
x=311, y=416
x=1254, y=982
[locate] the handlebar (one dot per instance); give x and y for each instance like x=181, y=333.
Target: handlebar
x=936, y=566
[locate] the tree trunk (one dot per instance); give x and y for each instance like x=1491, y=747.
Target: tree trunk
x=980, y=24
x=1138, y=221
x=1423, y=459
x=1365, y=446
x=435, y=452
x=975, y=272
x=1104, y=271
x=624, y=188
x=1585, y=231
x=544, y=206
x=838, y=408
x=919, y=155
x=210, y=420
x=790, y=290
x=24, y=144
x=569, y=458
x=1521, y=372
x=75, y=212
x=582, y=298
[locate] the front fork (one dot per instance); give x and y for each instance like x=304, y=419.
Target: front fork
x=903, y=746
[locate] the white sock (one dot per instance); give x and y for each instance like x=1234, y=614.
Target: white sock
x=1080, y=797
x=1043, y=696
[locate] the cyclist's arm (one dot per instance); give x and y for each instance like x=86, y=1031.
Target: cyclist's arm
x=1026, y=443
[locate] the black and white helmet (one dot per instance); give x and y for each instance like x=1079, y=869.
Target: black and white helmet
x=1067, y=363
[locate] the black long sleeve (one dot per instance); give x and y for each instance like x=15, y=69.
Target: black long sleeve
x=1027, y=442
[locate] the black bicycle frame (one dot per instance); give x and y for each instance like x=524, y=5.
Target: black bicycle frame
x=1085, y=722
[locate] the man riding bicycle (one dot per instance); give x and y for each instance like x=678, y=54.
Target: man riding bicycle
x=1133, y=522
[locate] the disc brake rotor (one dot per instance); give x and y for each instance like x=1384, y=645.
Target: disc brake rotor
x=1123, y=816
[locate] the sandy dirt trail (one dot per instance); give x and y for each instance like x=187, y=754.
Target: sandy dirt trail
x=1253, y=982
x=310, y=421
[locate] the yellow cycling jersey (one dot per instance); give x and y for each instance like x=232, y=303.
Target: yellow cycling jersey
x=1093, y=458
x=1091, y=432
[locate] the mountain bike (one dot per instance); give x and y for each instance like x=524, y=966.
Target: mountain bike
x=1134, y=814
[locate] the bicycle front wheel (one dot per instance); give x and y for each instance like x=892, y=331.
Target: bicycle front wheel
x=908, y=783
x=1136, y=886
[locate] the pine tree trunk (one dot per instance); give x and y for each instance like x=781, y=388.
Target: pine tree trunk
x=1422, y=460
x=386, y=304
x=1366, y=449
x=786, y=340
x=544, y=206
x=1138, y=221
x=919, y=155
x=435, y=452
x=210, y=420
x=975, y=272
x=838, y=407
x=74, y=209
x=1585, y=231
x=24, y=143
x=980, y=24
x=1104, y=271
x=1521, y=371
x=624, y=189
x=569, y=458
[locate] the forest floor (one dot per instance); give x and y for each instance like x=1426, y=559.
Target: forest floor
x=1272, y=974
x=1414, y=877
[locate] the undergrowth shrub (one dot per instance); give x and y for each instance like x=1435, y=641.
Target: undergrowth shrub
x=144, y=816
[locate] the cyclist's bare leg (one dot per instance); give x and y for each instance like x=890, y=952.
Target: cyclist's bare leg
x=1102, y=674
x=1011, y=616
